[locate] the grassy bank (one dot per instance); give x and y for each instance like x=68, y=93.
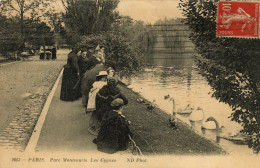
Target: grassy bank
x=154, y=136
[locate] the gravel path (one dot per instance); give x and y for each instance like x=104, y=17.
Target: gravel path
x=25, y=86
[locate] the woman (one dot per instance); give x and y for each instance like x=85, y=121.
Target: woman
x=70, y=78
x=106, y=95
x=114, y=133
x=94, y=124
x=83, y=62
x=101, y=80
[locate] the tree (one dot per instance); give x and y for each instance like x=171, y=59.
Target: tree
x=83, y=17
x=231, y=66
x=21, y=8
x=9, y=35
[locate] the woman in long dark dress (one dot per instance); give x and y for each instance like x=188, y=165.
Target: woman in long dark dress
x=70, y=78
x=106, y=95
x=114, y=133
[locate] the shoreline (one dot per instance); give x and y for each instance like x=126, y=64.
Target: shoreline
x=146, y=123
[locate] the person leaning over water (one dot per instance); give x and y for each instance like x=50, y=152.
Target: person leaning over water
x=70, y=78
x=106, y=95
x=114, y=132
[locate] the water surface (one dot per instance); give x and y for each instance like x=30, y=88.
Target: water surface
x=177, y=76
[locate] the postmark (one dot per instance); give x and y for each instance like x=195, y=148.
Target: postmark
x=238, y=19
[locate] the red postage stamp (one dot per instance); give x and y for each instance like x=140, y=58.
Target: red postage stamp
x=238, y=19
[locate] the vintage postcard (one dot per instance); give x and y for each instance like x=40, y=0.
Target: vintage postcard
x=129, y=83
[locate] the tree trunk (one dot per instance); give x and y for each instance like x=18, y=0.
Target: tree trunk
x=22, y=30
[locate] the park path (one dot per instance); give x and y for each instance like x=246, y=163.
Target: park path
x=24, y=86
x=65, y=128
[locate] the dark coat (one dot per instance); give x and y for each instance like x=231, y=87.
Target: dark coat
x=69, y=79
x=104, y=98
x=83, y=65
x=92, y=62
x=113, y=134
x=89, y=78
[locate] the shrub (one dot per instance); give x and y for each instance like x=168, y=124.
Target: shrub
x=119, y=49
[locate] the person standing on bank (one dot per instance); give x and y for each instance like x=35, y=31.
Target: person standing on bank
x=83, y=62
x=70, y=78
x=114, y=132
x=53, y=53
x=94, y=65
x=100, y=53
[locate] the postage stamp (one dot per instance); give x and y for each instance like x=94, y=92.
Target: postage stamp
x=238, y=19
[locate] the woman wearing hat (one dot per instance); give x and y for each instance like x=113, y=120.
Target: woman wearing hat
x=114, y=133
x=101, y=80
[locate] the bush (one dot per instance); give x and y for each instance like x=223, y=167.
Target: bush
x=119, y=49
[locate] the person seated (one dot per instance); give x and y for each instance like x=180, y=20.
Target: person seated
x=114, y=133
x=106, y=95
x=101, y=80
x=94, y=124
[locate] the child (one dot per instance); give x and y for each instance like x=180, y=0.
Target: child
x=114, y=132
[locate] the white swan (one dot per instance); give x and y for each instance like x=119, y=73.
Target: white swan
x=197, y=115
x=235, y=136
x=210, y=123
x=187, y=110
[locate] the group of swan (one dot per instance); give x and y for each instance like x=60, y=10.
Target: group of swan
x=210, y=123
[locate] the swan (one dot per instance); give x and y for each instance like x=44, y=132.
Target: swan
x=210, y=123
x=187, y=110
x=235, y=136
x=197, y=115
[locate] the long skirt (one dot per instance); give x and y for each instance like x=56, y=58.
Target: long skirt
x=69, y=79
x=94, y=124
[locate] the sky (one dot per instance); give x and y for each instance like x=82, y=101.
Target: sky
x=149, y=10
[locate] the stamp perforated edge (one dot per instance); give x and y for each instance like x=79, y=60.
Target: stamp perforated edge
x=223, y=36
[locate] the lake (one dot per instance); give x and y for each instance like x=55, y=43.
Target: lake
x=177, y=76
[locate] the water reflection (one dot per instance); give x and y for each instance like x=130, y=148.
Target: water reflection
x=179, y=78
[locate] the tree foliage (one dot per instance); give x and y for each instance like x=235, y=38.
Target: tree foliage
x=9, y=36
x=83, y=17
x=231, y=66
x=124, y=53
x=136, y=31
x=24, y=11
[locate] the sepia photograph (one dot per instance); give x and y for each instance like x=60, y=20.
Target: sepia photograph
x=129, y=83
